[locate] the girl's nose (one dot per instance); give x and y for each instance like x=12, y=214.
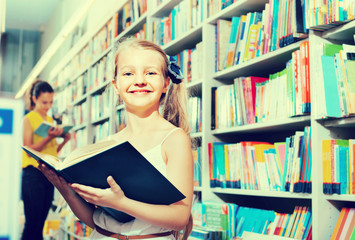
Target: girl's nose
x=140, y=79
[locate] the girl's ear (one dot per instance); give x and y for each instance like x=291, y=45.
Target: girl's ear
x=166, y=84
x=115, y=86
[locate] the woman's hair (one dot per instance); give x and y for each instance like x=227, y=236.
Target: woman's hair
x=37, y=88
x=173, y=102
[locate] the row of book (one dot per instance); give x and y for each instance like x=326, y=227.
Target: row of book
x=256, y=99
x=323, y=15
x=101, y=104
x=101, y=131
x=80, y=113
x=194, y=108
x=215, y=6
x=79, y=139
x=338, y=158
x=336, y=80
x=183, y=17
x=281, y=166
x=121, y=120
x=79, y=229
x=101, y=72
x=229, y=221
x=256, y=33
x=130, y=12
x=345, y=225
x=191, y=62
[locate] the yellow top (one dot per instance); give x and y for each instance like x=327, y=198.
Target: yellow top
x=51, y=148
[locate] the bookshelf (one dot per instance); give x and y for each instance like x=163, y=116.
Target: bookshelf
x=325, y=208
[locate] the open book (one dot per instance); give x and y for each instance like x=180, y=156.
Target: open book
x=42, y=130
x=92, y=164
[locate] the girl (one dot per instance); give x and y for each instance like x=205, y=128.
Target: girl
x=145, y=79
x=37, y=191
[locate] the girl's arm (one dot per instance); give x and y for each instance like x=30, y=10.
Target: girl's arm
x=177, y=149
x=28, y=135
x=81, y=208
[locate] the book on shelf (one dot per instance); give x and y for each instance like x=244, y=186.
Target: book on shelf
x=92, y=164
x=344, y=227
x=43, y=129
x=338, y=166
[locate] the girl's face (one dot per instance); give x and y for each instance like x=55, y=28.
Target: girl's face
x=140, y=80
x=44, y=102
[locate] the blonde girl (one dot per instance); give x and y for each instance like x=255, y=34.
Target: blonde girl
x=145, y=78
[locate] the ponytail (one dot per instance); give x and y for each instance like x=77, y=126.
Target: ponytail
x=175, y=106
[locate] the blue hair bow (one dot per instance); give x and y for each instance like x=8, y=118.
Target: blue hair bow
x=174, y=71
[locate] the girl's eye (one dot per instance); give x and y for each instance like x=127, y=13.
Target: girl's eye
x=127, y=74
x=151, y=73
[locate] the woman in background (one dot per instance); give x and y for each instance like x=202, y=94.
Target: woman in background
x=37, y=191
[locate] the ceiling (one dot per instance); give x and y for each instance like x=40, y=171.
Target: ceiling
x=28, y=14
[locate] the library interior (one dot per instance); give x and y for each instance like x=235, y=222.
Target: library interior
x=266, y=163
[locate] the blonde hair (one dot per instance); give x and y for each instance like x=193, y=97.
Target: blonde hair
x=174, y=102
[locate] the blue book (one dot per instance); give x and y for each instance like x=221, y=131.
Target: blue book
x=42, y=130
x=173, y=20
x=331, y=93
x=219, y=162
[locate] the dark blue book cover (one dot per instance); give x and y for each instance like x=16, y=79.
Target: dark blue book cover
x=137, y=177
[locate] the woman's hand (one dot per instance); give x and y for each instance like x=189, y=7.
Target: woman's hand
x=59, y=182
x=109, y=197
x=66, y=137
x=54, y=132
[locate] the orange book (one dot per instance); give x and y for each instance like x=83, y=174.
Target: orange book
x=351, y=226
x=341, y=220
x=115, y=25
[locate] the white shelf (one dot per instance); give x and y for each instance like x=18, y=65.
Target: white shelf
x=79, y=127
x=260, y=193
x=135, y=27
x=287, y=124
x=344, y=32
x=194, y=84
x=341, y=197
x=338, y=123
x=100, y=119
x=99, y=87
x=238, y=8
x=271, y=60
x=79, y=100
x=164, y=8
x=120, y=107
x=185, y=41
x=196, y=135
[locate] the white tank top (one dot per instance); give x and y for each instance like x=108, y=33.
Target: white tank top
x=136, y=226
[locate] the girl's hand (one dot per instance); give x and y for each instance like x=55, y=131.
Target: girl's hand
x=54, y=132
x=59, y=182
x=109, y=197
